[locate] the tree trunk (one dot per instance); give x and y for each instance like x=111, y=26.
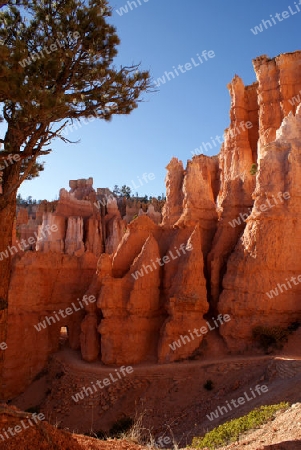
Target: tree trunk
x=7, y=217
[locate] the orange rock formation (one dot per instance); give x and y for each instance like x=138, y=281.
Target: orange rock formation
x=222, y=245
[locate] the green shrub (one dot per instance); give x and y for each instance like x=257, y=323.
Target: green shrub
x=253, y=170
x=230, y=431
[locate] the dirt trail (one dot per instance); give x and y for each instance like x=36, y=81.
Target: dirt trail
x=172, y=396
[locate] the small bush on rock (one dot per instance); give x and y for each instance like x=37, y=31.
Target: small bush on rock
x=253, y=170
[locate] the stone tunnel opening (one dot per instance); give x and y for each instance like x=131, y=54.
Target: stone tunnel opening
x=64, y=336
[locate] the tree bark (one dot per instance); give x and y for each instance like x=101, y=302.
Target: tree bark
x=7, y=217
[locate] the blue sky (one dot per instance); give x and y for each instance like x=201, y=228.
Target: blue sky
x=187, y=110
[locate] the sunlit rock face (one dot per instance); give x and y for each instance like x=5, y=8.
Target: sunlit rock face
x=186, y=303
x=262, y=285
x=153, y=287
x=236, y=182
x=227, y=244
x=265, y=255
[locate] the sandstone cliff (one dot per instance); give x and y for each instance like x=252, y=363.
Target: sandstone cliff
x=237, y=184
x=264, y=257
x=258, y=286
x=228, y=238
x=63, y=240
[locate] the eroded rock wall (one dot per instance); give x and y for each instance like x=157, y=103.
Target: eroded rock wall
x=261, y=286
x=148, y=294
x=236, y=182
x=173, y=207
x=211, y=203
x=225, y=245
x=40, y=286
x=186, y=302
x=267, y=252
x=278, y=83
x=153, y=287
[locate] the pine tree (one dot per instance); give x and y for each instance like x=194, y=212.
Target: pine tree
x=56, y=67
x=125, y=191
x=116, y=190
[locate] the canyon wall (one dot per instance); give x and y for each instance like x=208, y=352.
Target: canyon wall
x=264, y=257
x=87, y=220
x=153, y=288
x=216, y=203
x=228, y=238
x=236, y=182
x=40, y=287
x=262, y=284
x=55, y=248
